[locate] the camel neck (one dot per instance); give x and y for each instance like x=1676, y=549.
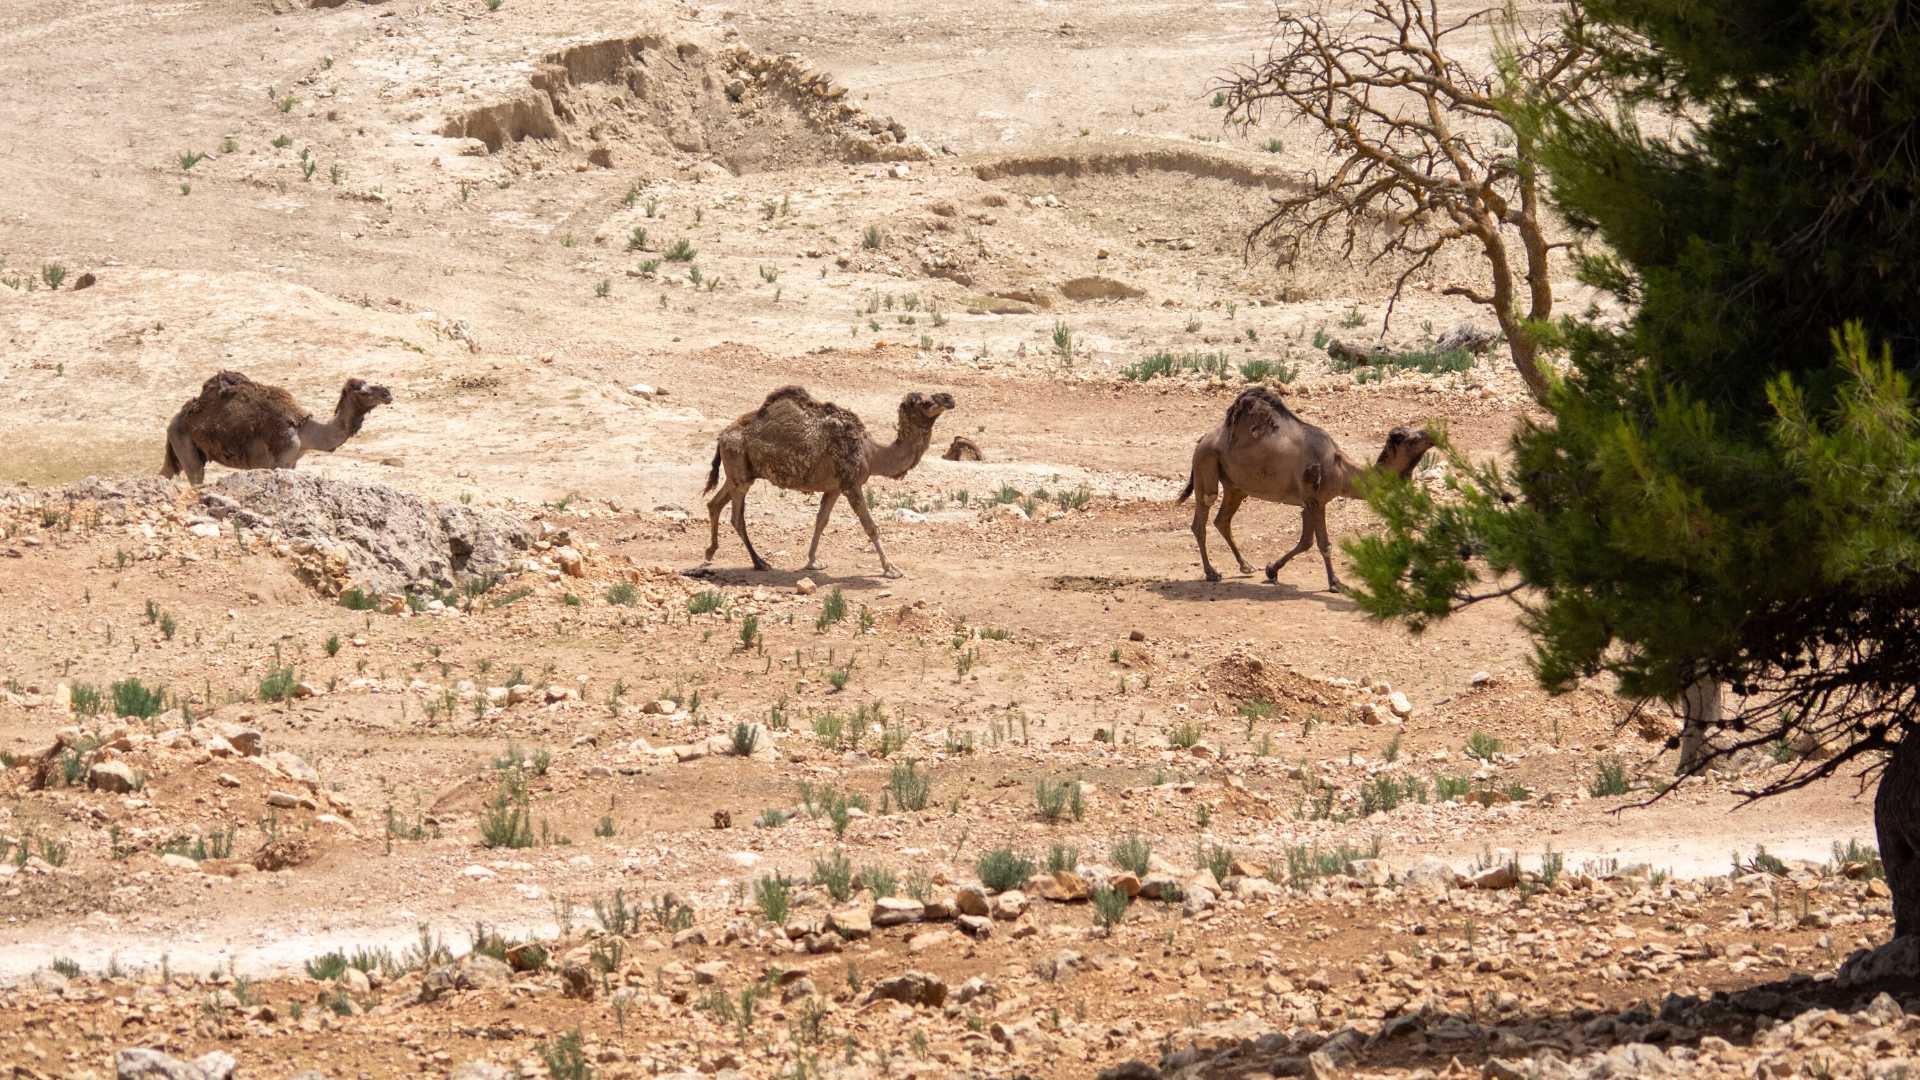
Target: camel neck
x=897, y=458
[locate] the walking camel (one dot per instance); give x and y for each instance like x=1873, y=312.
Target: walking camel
x=1261, y=449
x=800, y=444
x=243, y=424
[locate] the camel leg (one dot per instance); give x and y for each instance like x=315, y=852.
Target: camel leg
x=1229, y=506
x=721, y=498
x=1306, y=541
x=188, y=457
x=1200, y=505
x=859, y=503
x=740, y=525
x=820, y=526
x=1326, y=549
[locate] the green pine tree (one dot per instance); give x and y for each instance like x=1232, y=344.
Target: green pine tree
x=1728, y=487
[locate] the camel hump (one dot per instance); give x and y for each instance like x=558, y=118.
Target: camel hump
x=224, y=383
x=1260, y=410
x=962, y=449
x=232, y=408
x=795, y=394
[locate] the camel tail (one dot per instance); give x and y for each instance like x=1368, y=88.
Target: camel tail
x=713, y=474
x=171, y=466
x=1186, y=491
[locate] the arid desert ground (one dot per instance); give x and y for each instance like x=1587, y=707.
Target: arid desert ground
x=450, y=754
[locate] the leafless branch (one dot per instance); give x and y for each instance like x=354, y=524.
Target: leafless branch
x=1425, y=151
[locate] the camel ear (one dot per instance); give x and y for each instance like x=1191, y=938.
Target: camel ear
x=356, y=385
x=916, y=399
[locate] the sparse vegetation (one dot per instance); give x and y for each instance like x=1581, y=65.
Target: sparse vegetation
x=1058, y=799
x=1132, y=854
x=1002, y=868
x=1609, y=778
x=1483, y=746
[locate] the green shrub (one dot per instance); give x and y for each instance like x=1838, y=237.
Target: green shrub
x=1109, y=907
x=773, y=897
x=1131, y=854
x=909, y=788
x=832, y=609
x=507, y=821
x=1610, y=778
x=1483, y=746
x=1002, y=869
x=1058, y=799
x=745, y=737
x=834, y=874
x=130, y=698
x=278, y=685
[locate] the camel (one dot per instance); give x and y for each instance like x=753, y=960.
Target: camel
x=1261, y=449
x=800, y=444
x=243, y=424
x=962, y=449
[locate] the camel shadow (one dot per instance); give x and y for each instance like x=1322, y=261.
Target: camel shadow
x=748, y=577
x=1252, y=587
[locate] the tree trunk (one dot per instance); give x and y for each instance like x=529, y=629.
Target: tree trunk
x=1700, y=709
x=1896, y=823
x=1525, y=351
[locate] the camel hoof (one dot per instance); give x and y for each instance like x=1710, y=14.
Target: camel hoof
x=1213, y=575
x=892, y=573
x=1273, y=575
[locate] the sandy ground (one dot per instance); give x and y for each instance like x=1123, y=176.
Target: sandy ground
x=343, y=224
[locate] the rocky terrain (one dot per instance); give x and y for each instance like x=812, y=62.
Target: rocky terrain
x=447, y=754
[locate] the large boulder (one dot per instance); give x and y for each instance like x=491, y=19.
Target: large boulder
x=369, y=535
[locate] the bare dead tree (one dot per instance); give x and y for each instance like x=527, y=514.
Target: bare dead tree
x=1428, y=151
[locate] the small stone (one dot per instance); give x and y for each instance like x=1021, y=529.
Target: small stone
x=911, y=988
x=1401, y=707
x=897, y=911
x=977, y=926
x=852, y=923
x=246, y=740
x=178, y=862
x=1010, y=905
x=805, y=586
x=709, y=973
x=571, y=564
x=970, y=901
x=659, y=707
x=1501, y=875
x=112, y=776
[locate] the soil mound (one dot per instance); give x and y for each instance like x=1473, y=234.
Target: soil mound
x=1241, y=678
x=634, y=99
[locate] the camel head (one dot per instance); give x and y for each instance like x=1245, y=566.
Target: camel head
x=1405, y=447
x=918, y=408
x=358, y=398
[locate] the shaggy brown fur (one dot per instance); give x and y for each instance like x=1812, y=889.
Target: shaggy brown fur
x=243, y=424
x=1261, y=449
x=797, y=442
x=962, y=449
